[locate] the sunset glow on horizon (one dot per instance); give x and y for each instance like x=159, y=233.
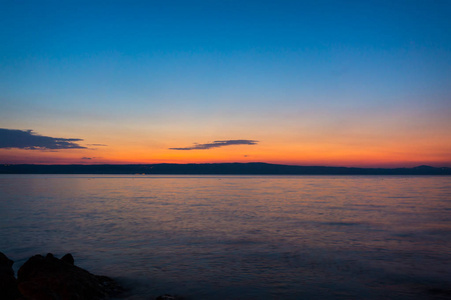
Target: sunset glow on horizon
x=315, y=83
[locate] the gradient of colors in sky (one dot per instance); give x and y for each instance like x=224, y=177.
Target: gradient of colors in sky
x=337, y=83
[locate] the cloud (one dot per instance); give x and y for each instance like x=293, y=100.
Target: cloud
x=217, y=144
x=87, y=158
x=27, y=139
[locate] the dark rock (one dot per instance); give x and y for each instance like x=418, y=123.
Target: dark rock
x=49, y=278
x=8, y=284
x=68, y=258
x=6, y=265
x=440, y=292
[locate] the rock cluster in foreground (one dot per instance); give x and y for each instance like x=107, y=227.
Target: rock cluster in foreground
x=50, y=278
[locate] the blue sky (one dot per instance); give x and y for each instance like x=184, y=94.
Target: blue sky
x=292, y=74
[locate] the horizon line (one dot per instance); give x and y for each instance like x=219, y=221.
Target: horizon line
x=217, y=163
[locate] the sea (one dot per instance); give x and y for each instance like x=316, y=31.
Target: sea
x=239, y=237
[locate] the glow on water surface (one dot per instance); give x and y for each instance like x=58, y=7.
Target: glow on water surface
x=240, y=237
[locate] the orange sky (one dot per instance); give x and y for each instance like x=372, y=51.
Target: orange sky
x=357, y=153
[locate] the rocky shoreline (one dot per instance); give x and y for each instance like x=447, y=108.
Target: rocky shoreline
x=50, y=278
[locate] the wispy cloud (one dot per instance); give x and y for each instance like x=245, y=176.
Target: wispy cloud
x=217, y=144
x=27, y=139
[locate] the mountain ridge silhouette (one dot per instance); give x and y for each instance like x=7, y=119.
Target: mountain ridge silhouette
x=253, y=168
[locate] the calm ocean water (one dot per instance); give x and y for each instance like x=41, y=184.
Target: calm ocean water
x=240, y=237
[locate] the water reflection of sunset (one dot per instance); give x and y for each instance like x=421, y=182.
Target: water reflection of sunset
x=240, y=237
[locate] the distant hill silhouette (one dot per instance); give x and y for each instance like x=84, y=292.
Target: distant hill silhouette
x=216, y=169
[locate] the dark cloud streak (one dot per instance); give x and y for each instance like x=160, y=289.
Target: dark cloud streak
x=217, y=144
x=28, y=140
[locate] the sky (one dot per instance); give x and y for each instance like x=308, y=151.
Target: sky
x=335, y=83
